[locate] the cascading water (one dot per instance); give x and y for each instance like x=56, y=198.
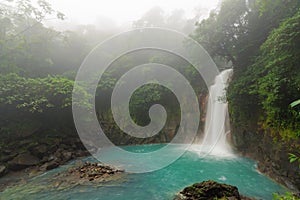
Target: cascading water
x=216, y=122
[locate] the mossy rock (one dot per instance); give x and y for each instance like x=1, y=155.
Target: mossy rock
x=209, y=190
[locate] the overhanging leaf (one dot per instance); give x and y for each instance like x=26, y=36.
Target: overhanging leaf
x=295, y=103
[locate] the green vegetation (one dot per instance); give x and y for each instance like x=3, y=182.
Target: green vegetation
x=271, y=83
x=287, y=196
x=35, y=95
x=35, y=85
x=261, y=40
x=38, y=67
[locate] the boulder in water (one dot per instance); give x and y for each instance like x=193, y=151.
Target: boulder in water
x=94, y=171
x=209, y=190
x=96, y=174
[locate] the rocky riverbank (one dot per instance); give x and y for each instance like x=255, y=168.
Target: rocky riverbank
x=75, y=174
x=27, y=157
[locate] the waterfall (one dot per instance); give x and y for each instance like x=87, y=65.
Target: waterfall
x=217, y=127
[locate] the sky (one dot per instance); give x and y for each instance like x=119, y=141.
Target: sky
x=118, y=12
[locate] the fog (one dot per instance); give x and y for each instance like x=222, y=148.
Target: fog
x=115, y=16
x=78, y=77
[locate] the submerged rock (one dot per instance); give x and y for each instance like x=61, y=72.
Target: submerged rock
x=70, y=176
x=209, y=190
x=94, y=171
x=96, y=174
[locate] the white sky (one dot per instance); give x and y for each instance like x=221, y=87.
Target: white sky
x=123, y=11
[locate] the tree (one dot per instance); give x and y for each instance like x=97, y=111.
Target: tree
x=22, y=34
x=220, y=33
x=153, y=18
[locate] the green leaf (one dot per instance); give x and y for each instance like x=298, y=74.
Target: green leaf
x=293, y=157
x=295, y=103
x=293, y=160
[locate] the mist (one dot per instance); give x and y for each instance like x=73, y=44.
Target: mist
x=139, y=99
x=133, y=15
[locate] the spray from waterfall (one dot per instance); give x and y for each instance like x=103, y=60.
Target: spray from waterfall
x=216, y=122
x=217, y=125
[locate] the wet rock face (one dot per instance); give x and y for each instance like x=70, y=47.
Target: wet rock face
x=22, y=161
x=3, y=170
x=272, y=157
x=209, y=190
x=41, y=153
